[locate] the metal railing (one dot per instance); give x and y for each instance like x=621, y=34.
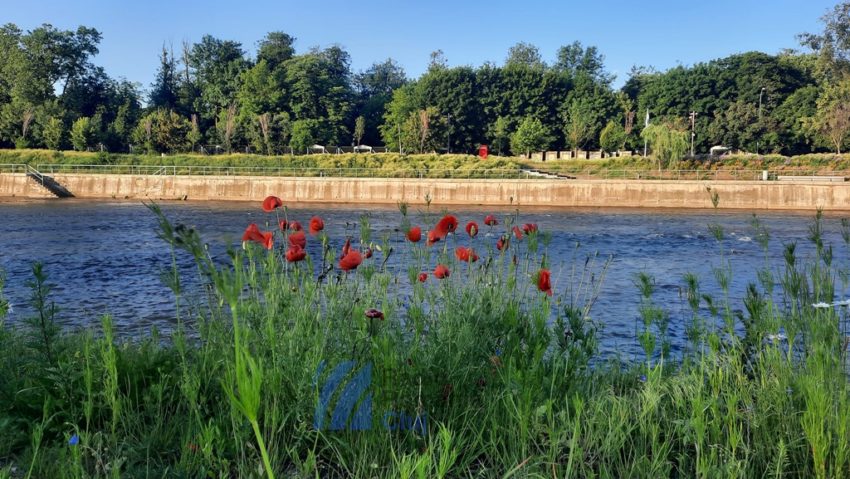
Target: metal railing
x=12, y=168
x=697, y=175
x=177, y=170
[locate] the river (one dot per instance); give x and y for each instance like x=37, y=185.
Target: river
x=104, y=256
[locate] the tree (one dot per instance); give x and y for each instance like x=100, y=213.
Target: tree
x=303, y=135
x=499, y=133
x=164, y=89
x=831, y=123
x=669, y=142
x=580, y=123
x=163, y=131
x=275, y=49
x=531, y=135
x=833, y=45
x=83, y=134
x=525, y=54
x=574, y=59
x=226, y=126
x=359, y=129
x=53, y=132
x=613, y=137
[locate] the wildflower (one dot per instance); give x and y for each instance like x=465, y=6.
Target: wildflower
x=75, y=439
x=423, y=277
x=517, y=232
x=448, y=224
x=295, y=254
x=298, y=238
x=441, y=271
x=502, y=243
x=472, y=229
x=295, y=226
x=316, y=225
x=252, y=233
x=821, y=305
x=271, y=203
x=283, y=225
x=490, y=220
x=346, y=247
x=642, y=378
x=466, y=254
x=268, y=240
x=414, y=234
x=368, y=253
x=351, y=260
x=373, y=313
x=544, y=281
x=529, y=228
x=773, y=338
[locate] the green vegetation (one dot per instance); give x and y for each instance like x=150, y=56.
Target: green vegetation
x=508, y=378
x=212, y=94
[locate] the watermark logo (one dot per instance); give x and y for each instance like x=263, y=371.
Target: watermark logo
x=345, y=402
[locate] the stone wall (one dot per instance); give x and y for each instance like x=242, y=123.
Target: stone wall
x=752, y=195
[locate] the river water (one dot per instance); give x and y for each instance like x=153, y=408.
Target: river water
x=104, y=257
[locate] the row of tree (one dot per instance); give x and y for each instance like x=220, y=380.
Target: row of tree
x=213, y=92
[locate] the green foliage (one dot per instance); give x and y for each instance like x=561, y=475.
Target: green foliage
x=304, y=133
x=580, y=123
x=83, y=134
x=613, y=137
x=162, y=131
x=669, y=143
x=831, y=122
x=54, y=133
x=359, y=129
x=530, y=135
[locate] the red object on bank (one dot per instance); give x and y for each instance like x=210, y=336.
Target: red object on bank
x=483, y=151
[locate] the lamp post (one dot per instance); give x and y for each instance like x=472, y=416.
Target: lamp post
x=758, y=142
x=449, y=131
x=693, y=131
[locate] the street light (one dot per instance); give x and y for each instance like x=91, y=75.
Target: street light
x=758, y=142
x=449, y=131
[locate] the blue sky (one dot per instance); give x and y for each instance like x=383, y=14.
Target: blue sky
x=661, y=33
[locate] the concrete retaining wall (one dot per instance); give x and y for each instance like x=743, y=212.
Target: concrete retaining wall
x=556, y=193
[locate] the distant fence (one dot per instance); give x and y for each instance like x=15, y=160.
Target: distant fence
x=220, y=150
x=699, y=175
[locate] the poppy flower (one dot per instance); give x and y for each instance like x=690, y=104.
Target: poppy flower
x=295, y=226
x=466, y=254
x=472, y=229
x=268, y=240
x=316, y=225
x=414, y=234
x=295, y=254
x=423, y=277
x=346, y=247
x=490, y=220
x=368, y=253
x=350, y=261
x=441, y=271
x=271, y=203
x=374, y=314
x=252, y=233
x=544, y=281
x=298, y=239
x=503, y=242
x=529, y=228
x=283, y=225
x=517, y=232
x=448, y=224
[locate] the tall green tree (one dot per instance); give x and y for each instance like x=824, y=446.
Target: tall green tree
x=531, y=135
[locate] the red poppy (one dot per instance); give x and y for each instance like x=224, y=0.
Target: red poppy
x=472, y=229
x=271, y=203
x=252, y=233
x=283, y=225
x=441, y=271
x=295, y=254
x=295, y=226
x=529, y=228
x=503, y=242
x=448, y=224
x=268, y=240
x=490, y=220
x=350, y=261
x=316, y=225
x=374, y=314
x=346, y=247
x=544, y=281
x=298, y=239
x=368, y=253
x=517, y=232
x=414, y=234
x=423, y=277
x=466, y=254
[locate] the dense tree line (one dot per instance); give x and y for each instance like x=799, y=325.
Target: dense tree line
x=213, y=93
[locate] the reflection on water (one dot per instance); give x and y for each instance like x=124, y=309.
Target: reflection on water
x=104, y=257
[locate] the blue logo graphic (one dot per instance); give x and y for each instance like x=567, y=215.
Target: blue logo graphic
x=342, y=417
x=350, y=388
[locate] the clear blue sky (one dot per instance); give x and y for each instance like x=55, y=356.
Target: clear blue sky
x=661, y=33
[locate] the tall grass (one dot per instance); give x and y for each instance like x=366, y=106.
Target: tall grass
x=503, y=380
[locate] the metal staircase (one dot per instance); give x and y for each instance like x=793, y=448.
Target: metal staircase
x=48, y=183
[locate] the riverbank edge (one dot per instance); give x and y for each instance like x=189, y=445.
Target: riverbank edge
x=749, y=195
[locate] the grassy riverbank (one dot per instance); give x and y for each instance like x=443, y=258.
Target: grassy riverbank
x=479, y=374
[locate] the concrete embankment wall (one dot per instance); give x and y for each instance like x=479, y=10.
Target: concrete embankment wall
x=555, y=193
